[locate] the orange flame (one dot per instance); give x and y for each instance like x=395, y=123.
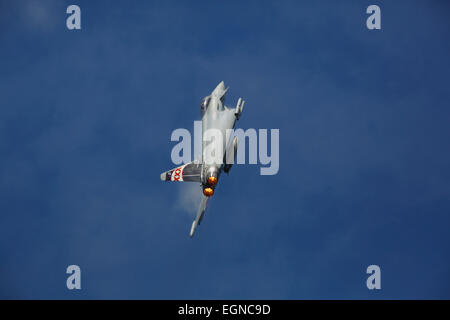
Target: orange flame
x=208, y=191
x=212, y=181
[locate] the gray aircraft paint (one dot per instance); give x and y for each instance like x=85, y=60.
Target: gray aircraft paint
x=217, y=121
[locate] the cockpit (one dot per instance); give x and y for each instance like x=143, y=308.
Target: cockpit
x=207, y=101
x=204, y=104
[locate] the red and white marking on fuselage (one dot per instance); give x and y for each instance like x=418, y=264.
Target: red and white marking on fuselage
x=177, y=174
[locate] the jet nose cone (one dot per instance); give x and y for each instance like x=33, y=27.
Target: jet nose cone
x=221, y=86
x=220, y=89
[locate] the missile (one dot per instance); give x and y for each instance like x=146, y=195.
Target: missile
x=241, y=107
x=238, y=110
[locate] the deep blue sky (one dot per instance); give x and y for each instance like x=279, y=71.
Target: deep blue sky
x=85, y=124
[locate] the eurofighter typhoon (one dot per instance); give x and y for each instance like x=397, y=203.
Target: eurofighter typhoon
x=218, y=119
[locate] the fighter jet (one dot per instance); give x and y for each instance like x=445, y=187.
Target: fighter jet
x=207, y=170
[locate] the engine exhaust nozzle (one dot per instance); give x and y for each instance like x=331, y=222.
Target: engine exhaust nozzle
x=208, y=192
x=212, y=181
